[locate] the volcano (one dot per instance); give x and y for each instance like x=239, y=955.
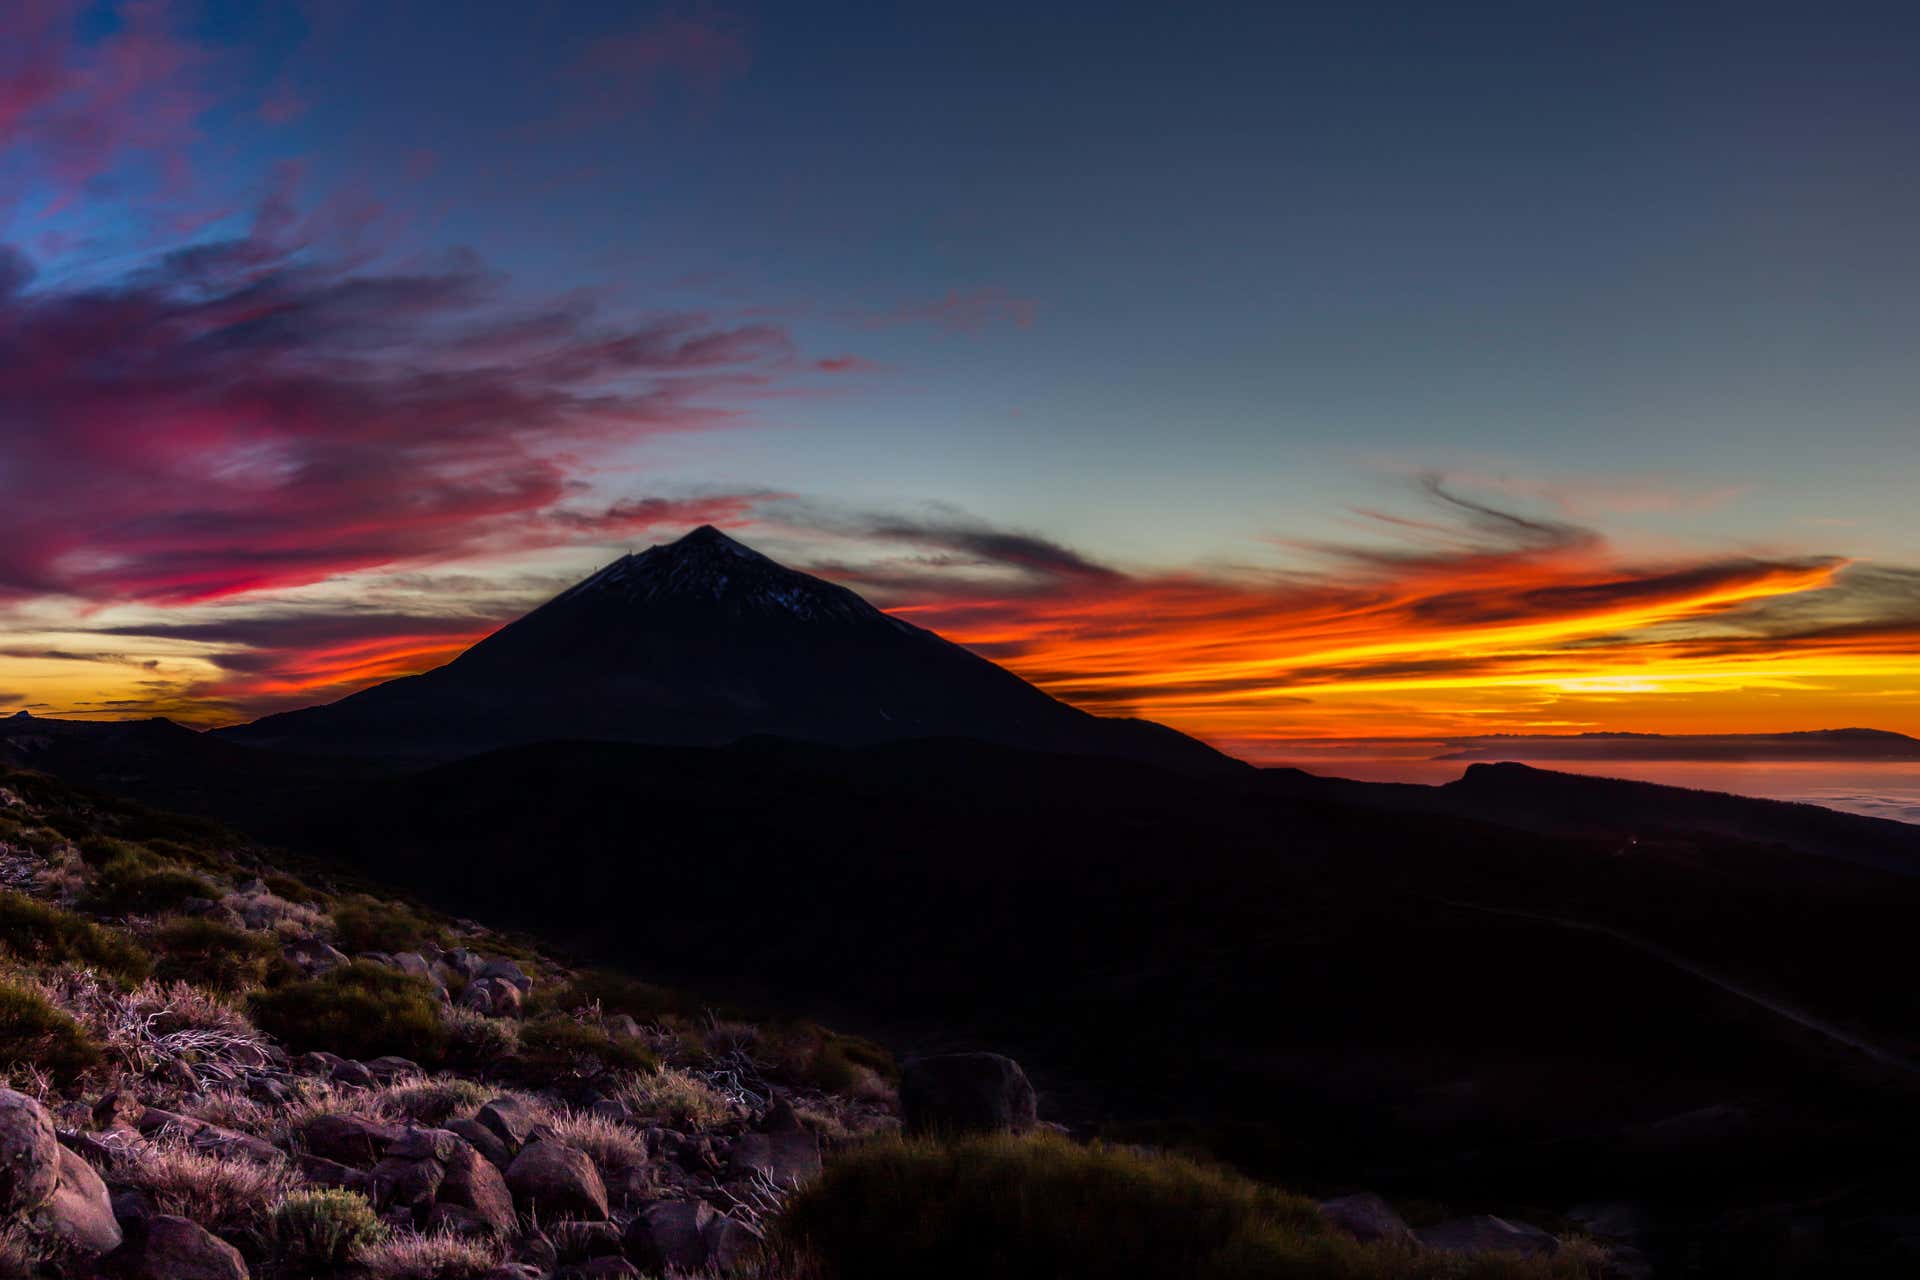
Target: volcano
x=703, y=642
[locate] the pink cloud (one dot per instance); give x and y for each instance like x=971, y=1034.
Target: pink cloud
x=245, y=415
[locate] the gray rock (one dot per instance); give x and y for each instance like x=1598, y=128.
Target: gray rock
x=29, y=1154
x=79, y=1213
x=483, y=1140
x=671, y=1236
x=473, y=1182
x=557, y=1181
x=967, y=1093
x=351, y=1140
x=730, y=1243
x=1485, y=1233
x=314, y=956
x=169, y=1248
x=406, y=1184
x=511, y=1120
x=1365, y=1216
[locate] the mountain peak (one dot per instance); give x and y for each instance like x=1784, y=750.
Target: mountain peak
x=706, y=567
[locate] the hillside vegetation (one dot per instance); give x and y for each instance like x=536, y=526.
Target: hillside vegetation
x=221, y=1063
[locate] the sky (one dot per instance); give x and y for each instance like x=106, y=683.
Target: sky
x=1281, y=372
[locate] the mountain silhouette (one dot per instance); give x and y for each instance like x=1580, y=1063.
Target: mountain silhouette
x=703, y=642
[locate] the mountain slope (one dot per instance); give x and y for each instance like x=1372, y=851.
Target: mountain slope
x=702, y=642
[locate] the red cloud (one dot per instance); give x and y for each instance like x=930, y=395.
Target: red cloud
x=246, y=415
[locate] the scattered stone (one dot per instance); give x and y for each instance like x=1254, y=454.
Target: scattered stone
x=967, y=1093
x=407, y=1184
x=1366, y=1217
x=29, y=1154
x=483, y=1140
x=1485, y=1233
x=117, y=1109
x=314, y=955
x=202, y=1136
x=388, y=1069
x=79, y=1213
x=164, y=1247
x=351, y=1140
x=472, y=1182
x=671, y=1236
x=557, y=1182
x=511, y=1120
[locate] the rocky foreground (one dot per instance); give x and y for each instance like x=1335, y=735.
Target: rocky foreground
x=218, y=1068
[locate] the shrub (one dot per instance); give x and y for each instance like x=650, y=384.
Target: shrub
x=436, y=1257
x=475, y=1040
x=617, y=993
x=613, y=1146
x=33, y=1033
x=368, y=924
x=360, y=1010
x=210, y=954
x=558, y=1045
x=1033, y=1208
x=292, y=889
x=39, y=933
x=434, y=1102
x=221, y=1193
x=676, y=1099
x=132, y=884
x=318, y=1231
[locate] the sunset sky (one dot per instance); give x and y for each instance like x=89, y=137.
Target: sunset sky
x=1276, y=371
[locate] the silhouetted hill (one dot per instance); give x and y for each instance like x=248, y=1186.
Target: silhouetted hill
x=703, y=642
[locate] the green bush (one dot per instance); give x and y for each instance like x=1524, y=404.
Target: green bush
x=316, y=1232
x=292, y=889
x=1044, y=1208
x=360, y=1010
x=133, y=884
x=208, y=953
x=367, y=924
x=40, y=933
x=35, y=1034
x=555, y=1045
x=617, y=993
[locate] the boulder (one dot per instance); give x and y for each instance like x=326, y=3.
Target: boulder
x=397, y=1182
x=483, y=1140
x=967, y=1093
x=29, y=1154
x=671, y=1236
x=1485, y=1233
x=313, y=955
x=788, y=1158
x=79, y=1213
x=511, y=1120
x=1366, y=1217
x=502, y=968
x=388, y=1069
x=556, y=1181
x=331, y=1173
x=164, y=1247
x=730, y=1243
x=351, y=1140
x=117, y=1109
x=202, y=1136
x=472, y=1182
